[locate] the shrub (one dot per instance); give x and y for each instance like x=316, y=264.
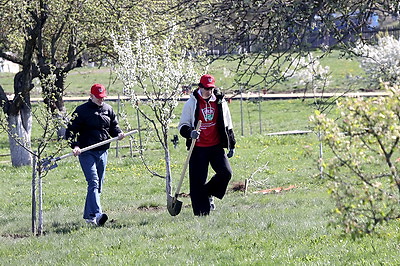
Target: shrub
x=364, y=175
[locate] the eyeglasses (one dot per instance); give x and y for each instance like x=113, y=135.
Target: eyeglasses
x=209, y=88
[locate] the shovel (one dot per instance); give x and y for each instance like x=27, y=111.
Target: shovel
x=50, y=162
x=174, y=205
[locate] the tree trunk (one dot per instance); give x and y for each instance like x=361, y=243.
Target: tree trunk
x=20, y=126
x=168, y=178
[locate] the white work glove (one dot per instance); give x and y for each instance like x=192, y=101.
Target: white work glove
x=76, y=151
x=121, y=135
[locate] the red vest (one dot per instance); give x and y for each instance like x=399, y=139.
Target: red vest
x=209, y=135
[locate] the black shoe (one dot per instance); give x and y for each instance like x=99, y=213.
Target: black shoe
x=102, y=219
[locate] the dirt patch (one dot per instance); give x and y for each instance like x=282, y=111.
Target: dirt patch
x=275, y=190
x=16, y=236
x=238, y=186
x=150, y=208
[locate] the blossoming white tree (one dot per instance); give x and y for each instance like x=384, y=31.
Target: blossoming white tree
x=381, y=61
x=308, y=72
x=153, y=77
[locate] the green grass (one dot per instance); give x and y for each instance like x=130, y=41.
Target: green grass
x=79, y=80
x=342, y=70
x=288, y=228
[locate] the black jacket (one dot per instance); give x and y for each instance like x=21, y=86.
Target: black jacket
x=91, y=124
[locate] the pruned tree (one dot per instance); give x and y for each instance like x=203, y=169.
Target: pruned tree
x=46, y=146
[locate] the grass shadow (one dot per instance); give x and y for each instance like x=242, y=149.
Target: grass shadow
x=66, y=228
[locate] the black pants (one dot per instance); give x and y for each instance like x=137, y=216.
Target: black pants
x=200, y=189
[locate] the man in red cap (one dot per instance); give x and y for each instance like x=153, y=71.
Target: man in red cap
x=208, y=104
x=93, y=122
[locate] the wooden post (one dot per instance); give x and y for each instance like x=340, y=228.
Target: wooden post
x=117, y=142
x=259, y=109
x=246, y=185
x=241, y=111
x=321, y=154
x=139, y=131
x=40, y=198
x=34, y=194
x=249, y=117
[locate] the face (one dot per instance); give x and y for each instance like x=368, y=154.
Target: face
x=206, y=92
x=98, y=101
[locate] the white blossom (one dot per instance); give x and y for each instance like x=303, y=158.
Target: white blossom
x=381, y=62
x=308, y=72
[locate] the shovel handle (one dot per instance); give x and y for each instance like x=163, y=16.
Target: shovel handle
x=178, y=188
x=93, y=146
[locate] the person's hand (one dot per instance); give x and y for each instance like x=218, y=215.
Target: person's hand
x=231, y=153
x=76, y=151
x=195, y=134
x=121, y=135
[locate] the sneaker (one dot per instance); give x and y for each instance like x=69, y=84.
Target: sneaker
x=91, y=221
x=101, y=219
x=212, y=204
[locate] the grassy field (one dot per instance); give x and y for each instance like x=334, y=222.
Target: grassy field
x=291, y=227
x=80, y=79
x=287, y=228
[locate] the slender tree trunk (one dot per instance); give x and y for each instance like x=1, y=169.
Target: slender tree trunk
x=168, y=178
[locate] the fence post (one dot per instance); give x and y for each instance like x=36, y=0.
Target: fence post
x=249, y=117
x=259, y=109
x=34, y=194
x=241, y=110
x=139, y=131
x=118, y=110
x=40, y=198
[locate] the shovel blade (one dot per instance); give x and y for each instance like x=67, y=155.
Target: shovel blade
x=174, y=206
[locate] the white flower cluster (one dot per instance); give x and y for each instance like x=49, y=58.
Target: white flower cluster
x=153, y=73
x=381, y=62
x=308, y=72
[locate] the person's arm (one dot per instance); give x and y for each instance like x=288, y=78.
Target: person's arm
x=229, y=125
x=186, y=123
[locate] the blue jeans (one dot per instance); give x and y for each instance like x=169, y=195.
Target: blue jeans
x=93, y=165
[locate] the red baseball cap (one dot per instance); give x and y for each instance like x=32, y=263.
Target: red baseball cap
x=98, y=90
x=207, y=81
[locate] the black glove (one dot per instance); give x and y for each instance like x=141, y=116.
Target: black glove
x=194, y=134
x=231, y=153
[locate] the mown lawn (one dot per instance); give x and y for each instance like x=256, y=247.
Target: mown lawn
x=290, y=227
